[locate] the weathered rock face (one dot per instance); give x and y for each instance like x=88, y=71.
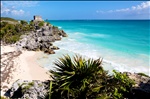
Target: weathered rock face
x=22, y=89
x=38, y=90
x=41, y=39
x=141, y=89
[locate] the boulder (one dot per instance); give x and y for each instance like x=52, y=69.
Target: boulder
x=141, y=89
x=50, y=51
x=54, y=48
x=57, y=37
x=45, y=28
x=63, y=34
x=31, y=45
x=47, y=33
x=24, y=89
x=46, y=39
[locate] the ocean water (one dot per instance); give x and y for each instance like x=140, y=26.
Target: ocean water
x=123, y=44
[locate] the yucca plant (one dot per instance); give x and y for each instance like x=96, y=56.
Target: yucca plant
x=76, y=77
x=80, y=78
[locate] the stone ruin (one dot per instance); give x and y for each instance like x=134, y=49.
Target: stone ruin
x=37, y=18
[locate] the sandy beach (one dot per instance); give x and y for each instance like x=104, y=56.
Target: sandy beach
x=21, y=66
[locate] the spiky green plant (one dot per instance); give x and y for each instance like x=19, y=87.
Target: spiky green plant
x=80, y=78
x=75, y=77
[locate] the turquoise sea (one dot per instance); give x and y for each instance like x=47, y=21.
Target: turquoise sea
x=123, y=44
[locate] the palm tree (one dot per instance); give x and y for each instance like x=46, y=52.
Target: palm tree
x=77, y=77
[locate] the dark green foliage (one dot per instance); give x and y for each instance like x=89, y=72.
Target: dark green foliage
x=142, y=74
x=31, y=23
x=28, y=86
x=78, y=78
x=23, y=22
x=122, y=85
x=31, y=84
x=2, y=33
x=10, y=33
x=74, y=77
x=47, y=23
x=41, y=24
x=3, y=24
x=12, y=39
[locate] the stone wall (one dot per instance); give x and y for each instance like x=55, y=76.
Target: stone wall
x=38, y=18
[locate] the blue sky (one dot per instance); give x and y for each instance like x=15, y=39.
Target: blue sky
x=62, y=10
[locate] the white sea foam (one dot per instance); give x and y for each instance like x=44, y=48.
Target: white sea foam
x=111, y=59
x=95, y=35
x=59, y=27
x=100, y=35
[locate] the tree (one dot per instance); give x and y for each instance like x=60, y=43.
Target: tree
x=2, y=33
x=23, y=22
x=3, y=24
x=18, y=27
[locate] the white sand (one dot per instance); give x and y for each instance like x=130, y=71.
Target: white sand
x=29, y=69
x=26, y=67
x=5, y=49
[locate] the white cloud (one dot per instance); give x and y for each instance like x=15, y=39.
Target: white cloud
x=17, y=12
x=99, y=11
x=137, y=8
x=10, y=10
x=122, y=10
x=21, y=3
x=14, y=7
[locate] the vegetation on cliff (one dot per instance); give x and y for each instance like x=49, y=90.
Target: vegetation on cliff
x=74, y=78
x=12, y=29
x=78, y=78
x=8, y=19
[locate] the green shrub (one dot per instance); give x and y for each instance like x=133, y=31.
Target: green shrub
x=31, y=84
x=31, y=23
x=12, y=39
x=48, y=24
x=142, y=74
x=10, y=33
x=28, y=86
x=2, y=33
x=23, y=22
x=80, y=78
x=41, y=24
x=18, y=27
x=123, y=85
x=3, y=24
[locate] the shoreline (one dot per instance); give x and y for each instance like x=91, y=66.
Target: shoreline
x=24, y=67
x=109, y=63
x=113, y=59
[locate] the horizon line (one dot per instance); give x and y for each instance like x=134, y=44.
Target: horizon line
x=94, y=19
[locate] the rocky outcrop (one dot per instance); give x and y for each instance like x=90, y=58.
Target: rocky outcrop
x=41, y=39
x=141, y=89
x=23, y=89
x=39, y=90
